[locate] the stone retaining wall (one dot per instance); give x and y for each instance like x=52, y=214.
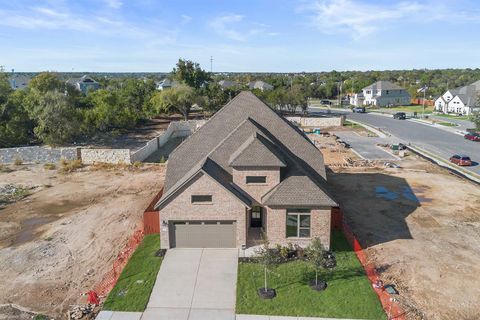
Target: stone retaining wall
x=90, y=156
x=318, y=122
x=37, y=154
x=41, y=154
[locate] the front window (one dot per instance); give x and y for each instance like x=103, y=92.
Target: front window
x=298, y=223
x=201, y=198
x=256, y=179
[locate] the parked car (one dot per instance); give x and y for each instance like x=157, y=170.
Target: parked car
x=400, y=116
x=358, y=109
x=473, y=136
x=461, y=160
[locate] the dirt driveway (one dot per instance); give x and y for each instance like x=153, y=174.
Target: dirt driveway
x=421, y=227
x=58, y=242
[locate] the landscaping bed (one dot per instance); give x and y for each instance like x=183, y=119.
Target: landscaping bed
x=133, y=288
x=348, y=294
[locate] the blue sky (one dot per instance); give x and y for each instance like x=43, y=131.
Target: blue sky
x=241, y=35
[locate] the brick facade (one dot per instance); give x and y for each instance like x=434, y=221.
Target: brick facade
x=277, y=223
x=256, y=191
x=224, y=206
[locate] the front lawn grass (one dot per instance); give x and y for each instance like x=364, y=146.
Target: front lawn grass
x=349, y=293
x=133, y=288
x=447, y=124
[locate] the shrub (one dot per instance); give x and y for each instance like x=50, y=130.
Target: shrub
x=49, y=166
x=138, y=164
x=18, y=162
x=70, y=166
x=162, y=159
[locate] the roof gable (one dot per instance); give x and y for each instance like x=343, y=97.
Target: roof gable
x=257, y=151
x=383, y=85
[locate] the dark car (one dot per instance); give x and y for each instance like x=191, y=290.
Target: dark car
x=358, y=109
x=400, y=116
x=473, y=136
x=461, y=160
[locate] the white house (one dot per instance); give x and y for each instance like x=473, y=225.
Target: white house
x=381, y=94
x=261, y=85
x=166, y=83
x=463, y=100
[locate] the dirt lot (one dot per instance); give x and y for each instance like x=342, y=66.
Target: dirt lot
x=59, y=241
x=421, y=227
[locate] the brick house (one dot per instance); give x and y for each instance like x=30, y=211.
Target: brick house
x=246, y=172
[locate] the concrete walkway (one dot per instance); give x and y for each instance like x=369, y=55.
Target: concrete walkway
x=195, y=284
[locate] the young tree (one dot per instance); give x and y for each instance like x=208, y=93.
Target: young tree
x=180, y=98
x=270, y=260
x=319, y=259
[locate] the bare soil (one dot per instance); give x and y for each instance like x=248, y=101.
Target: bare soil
x=420, y=225
x=58, y=242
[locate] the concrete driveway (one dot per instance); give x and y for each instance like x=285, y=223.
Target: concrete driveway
x=195, y=284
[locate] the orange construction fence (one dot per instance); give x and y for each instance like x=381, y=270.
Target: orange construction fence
x=390, y=305
x=103, y=288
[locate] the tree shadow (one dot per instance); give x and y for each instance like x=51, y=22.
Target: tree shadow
x=376, y=205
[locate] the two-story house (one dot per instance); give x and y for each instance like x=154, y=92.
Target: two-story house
x=247, y=169
x=463, y=100
x=382, y=94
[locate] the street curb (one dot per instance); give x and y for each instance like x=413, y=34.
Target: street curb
x=377, y=131
x=444, y=164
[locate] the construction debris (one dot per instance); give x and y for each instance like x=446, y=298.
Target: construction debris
x=87, y=312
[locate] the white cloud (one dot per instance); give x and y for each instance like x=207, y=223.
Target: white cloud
x=359, y=19
x=234, y=27
x=185, y=18
x=223, y=25
x=114, y=4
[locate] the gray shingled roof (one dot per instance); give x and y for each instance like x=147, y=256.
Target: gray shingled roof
x=383, y=85
x=228, y=130
x=298, y=191
x=469, y=94
x=256, y=151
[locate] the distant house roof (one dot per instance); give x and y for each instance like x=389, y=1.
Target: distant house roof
x=83, y=79
x=469, y=94
x=166, y=83
x=259, y=84
x=227, y=84
x=383, y=85
x=233, y=136
x=19, y=81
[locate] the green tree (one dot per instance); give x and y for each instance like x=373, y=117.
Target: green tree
x=109, y=112
x=269, y=259
x=180, y=98
x=190, y=73
x=47, y=81
x=57, y=120
x=16, y=127
x=319, y=258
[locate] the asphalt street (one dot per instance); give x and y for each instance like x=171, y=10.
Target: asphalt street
x=440, y=142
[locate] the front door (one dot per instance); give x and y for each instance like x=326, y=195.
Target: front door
x=256, y=216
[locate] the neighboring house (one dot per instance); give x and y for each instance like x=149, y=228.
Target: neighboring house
x=246, y=170
x=19, y=81
x=226, y=84
x=382, y=94
x=261, y=85
x=166, y=84
x=84, y=84
x=463, y=100
x=357, y=99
